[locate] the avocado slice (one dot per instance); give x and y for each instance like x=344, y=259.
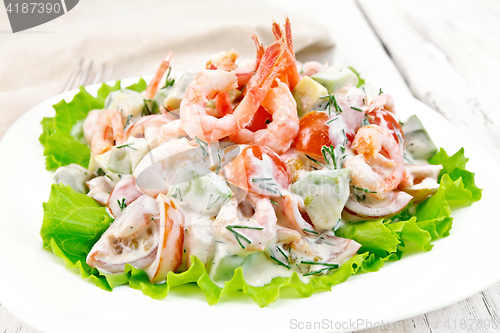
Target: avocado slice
x=307, y=93
x=417, y=141
x=119, y=161
x=335, y=77
x=125, y=101
x=178, y=91
x=325, y=193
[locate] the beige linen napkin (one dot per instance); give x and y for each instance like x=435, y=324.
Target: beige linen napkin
x=134, y=36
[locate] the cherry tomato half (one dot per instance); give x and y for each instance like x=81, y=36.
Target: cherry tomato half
x=259, y=170
x=313, y=133
x=260, y=120
x=386, y=119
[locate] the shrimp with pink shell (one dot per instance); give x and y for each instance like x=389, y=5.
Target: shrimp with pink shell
x=265, y=164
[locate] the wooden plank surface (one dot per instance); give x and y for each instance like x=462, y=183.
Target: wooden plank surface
x=448, y=53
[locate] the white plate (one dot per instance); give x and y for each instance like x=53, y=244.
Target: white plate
x=35, y=286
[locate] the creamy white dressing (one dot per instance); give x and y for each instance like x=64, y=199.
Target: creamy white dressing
x=265, y=179
x=325, y=193
x=74, y=176
x=126, y=102
x=182, y=170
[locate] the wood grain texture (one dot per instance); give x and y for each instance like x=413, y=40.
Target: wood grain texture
x=447, y=52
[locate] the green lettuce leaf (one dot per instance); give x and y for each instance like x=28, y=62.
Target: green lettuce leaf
x=73, y=222
x=374, y=237
x=139, y=86
x=62, y=136
x=454, y=167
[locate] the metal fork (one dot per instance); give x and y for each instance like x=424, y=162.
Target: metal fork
x=81, y=75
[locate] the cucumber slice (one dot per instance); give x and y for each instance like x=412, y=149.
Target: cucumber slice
x=417, y=141
x=335, y=77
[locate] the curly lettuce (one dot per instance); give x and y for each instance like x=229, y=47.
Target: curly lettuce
x=62, y=137
x=389, y=239
x=73, y=222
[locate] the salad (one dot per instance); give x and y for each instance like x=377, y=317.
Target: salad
x=250, y=177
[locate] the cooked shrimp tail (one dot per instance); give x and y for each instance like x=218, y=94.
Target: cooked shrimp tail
x=107, y=131
x=260, y=51
x=260, y=84
x=155, y=81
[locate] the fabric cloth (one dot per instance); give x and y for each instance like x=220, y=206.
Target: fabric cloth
x=134, y=36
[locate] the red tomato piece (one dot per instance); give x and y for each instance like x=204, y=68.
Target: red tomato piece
x=313, y=133
x=260, y=120
x=386, y=119
x=266, y=173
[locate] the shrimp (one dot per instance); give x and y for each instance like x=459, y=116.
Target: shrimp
x=107, y=130
x=312, y=67
x=351, y=101
x=260, y=51
x=249, y=233
x=155, y=81
x=170, y=241
x=194, y=118
x=147, y=126
x=378, y=168
x=172, y=130
x=223, y=60
x=89, y=124
x=382, y=102
x=270, y=66
x=226, y=61
x=290, y=72
x=100, y=189
x=280, y=133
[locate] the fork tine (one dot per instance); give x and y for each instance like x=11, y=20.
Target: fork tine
x=86, y=74
x=99, y=74
x=108, y=76
x=73, y=77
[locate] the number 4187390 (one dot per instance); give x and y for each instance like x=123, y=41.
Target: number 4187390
x=33, y=7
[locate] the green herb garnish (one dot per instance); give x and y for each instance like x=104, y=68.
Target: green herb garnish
x=177, y=192
x=260, y=179
x=364, y=189
x=202, y=143
x=128, y=120
x=122, y=204
x=127, y=145
x=209, y=205
x=310, y=231
x=238, y=235
x=312, y=159
x=281, y=263
x=169, y=82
